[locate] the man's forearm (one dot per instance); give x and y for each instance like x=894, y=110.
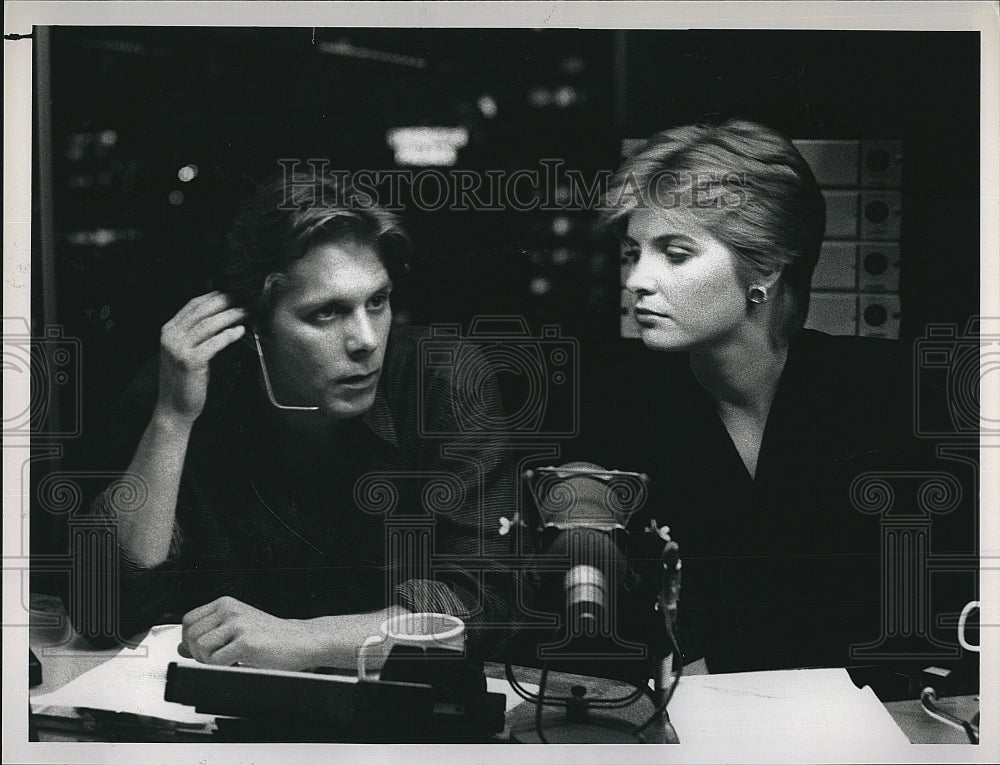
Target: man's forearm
x=337, y=638
x=145, y=533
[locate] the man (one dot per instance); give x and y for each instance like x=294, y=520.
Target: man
x=294, y=489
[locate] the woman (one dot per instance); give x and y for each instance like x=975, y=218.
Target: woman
x=755, y=431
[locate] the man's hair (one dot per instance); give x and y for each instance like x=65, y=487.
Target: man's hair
x=289, y=214
x=749, y=188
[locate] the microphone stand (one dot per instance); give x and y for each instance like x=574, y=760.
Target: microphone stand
x=579, y=723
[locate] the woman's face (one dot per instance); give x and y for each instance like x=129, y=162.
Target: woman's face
x=684, y=280
x=328, y=330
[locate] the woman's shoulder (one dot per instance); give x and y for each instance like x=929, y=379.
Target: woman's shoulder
x=847, y=344
x=851, y=382
x=845, y=356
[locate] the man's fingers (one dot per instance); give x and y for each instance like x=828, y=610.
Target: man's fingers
x=199, y=613
x=227, y=655
x=212, y=325
x=196, y=629
x=200, y=308
x=179, y=327
x=212, y=641
x=207, y=350
x=192, y=306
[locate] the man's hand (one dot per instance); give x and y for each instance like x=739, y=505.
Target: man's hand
x=227, y=631
x=188, y=342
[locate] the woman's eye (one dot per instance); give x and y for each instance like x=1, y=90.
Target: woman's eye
x=630, y=254
x=677, y=254
x=379, y=302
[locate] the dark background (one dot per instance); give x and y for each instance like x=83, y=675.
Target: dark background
x=232, y=101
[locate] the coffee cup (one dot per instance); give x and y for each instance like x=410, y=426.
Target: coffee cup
x=962, y=619
x=418, y=630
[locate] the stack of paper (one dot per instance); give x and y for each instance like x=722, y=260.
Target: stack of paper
x=807, y=707
x=131, y=682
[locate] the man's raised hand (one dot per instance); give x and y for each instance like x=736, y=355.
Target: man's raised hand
x=188, y=342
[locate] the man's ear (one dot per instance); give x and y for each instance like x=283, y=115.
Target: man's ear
x=274, y=284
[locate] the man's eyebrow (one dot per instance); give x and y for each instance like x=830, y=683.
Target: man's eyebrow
x=338, y=302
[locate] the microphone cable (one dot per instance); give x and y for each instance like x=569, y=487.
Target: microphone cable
x=661, y=708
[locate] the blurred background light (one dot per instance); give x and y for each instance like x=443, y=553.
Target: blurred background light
x=423, y=146
x=487, y=106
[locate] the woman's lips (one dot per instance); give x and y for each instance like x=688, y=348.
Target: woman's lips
x=647, y=318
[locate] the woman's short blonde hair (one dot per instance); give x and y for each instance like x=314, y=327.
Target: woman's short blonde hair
x=750, y=189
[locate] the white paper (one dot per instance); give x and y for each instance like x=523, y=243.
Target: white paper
x=814, y=707
x=498, y=685
x=133, y=681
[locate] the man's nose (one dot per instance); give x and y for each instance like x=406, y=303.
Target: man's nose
x=361, y=336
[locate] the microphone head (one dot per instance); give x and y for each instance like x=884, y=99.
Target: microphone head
x=583, y=546
x=595, y=571
x=585, y=495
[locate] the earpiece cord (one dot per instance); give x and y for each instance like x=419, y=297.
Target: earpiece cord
x=267, y=382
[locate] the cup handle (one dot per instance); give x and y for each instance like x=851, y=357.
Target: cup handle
x=364, y=653
x=962, y=618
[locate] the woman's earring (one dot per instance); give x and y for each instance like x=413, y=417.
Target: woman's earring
x=757, y=294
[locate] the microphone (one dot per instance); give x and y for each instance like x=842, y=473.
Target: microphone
x=597, y=567
x=583, y=509
x=596, y=572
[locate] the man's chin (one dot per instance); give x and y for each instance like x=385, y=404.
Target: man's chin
x=342, y=409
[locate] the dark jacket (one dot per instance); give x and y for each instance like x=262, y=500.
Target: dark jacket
x=402, y=508
x=788, y=568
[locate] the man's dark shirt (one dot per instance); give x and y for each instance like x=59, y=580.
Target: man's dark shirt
x=380, y=517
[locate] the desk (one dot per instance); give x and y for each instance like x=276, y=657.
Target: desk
x=75, y=657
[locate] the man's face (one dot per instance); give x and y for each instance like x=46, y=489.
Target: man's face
x=328, y=330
